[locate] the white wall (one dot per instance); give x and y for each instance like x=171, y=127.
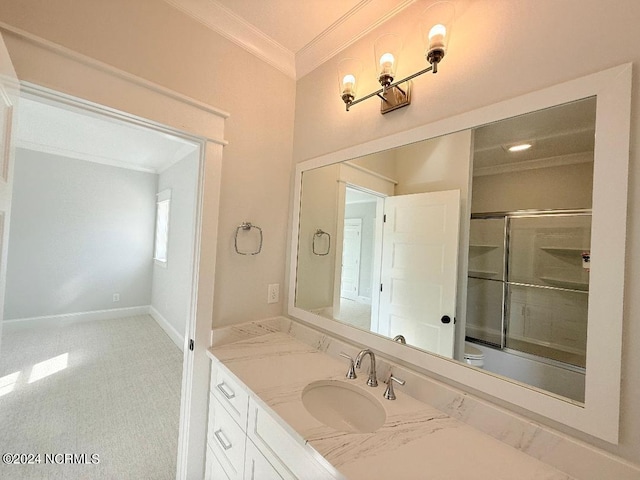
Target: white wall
x=80, y=232
x=499, y=49
x=153, y=40
x=172, y=282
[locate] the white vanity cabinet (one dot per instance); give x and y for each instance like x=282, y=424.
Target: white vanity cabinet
x=257, y=467
x=244, y=441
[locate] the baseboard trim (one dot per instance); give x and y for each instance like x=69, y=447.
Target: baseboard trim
x=173, y=334
x=66, y=318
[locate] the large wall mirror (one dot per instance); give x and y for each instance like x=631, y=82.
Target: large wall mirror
x=487, y=248
x=398, y=251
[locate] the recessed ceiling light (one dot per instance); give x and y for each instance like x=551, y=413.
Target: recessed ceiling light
x=520, y=147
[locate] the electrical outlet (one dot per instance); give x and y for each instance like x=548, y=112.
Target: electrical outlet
x=273, y=293
x=116, y=297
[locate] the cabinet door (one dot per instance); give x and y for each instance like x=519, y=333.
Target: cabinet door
x=213, y=468
x=290, y=456
x=256, y=466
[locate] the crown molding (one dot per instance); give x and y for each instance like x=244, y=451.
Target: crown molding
x=88, y=157
x=178, y=156
x=353, y=25
x=236, y=29
x=559, y=161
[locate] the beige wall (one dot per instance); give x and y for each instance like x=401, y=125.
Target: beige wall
x=497, y=52
x=563, y=187
x=442, y=163
x=150, y=39
x=318, y=210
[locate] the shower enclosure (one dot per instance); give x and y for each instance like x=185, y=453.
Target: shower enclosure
x=529, y=284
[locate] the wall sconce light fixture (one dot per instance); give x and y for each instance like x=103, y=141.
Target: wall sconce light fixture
x=436, y=23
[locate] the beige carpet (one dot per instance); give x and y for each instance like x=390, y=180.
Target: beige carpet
x=355, y=313
x=110, y=388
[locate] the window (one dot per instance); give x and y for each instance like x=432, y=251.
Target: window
x=163, y=206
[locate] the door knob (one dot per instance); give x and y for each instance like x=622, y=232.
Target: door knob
x=445, y=319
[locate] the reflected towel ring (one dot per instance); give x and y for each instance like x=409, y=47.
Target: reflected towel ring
x=247, y=226
x=319, y=234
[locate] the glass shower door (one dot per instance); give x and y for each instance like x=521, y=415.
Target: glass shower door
x=485, y=290
x=547, y=286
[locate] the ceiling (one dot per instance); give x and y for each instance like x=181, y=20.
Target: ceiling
x=295, y=36
x=292, y=23
x=72, y=133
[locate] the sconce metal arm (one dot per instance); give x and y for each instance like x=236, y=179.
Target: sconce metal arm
x=378, y=93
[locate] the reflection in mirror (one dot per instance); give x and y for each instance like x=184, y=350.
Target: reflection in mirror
x=410, y=242
x=529, y=247
x=395, y=216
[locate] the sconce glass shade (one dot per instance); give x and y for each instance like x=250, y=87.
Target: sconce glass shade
x=436, y=23
x=349, y=71
x=387, y=52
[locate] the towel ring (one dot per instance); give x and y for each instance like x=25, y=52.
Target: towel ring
x=247, y=226
x=319, y=234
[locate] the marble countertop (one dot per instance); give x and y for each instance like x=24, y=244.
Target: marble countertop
x=416, y=441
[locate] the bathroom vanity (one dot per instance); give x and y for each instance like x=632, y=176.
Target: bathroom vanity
x=260, y=428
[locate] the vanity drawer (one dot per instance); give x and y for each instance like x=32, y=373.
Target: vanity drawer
x=229, y=393
x=226, y=439
x=213, y=469
x=284, y=453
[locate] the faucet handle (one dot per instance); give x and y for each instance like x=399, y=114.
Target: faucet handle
x=389, y=393
x=351, y=373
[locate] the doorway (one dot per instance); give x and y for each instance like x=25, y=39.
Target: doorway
x=95, y=322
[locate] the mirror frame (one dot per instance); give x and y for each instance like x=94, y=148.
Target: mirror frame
x=600, y=413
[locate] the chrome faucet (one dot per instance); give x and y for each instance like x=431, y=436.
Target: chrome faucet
x=372, y=381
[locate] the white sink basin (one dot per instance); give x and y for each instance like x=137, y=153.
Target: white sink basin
x=343, y=406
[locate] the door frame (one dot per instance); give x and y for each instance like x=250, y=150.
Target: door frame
x=198, y=326
x=375, y=190
x=352, y=222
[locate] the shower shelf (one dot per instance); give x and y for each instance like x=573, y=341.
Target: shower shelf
x=483, y=274
x=565, y=250
x=560, y=282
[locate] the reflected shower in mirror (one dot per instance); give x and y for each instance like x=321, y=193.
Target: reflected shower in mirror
x=473, y=235
x=529, y=246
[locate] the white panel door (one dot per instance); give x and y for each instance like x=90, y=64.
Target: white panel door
x=351, y=246
x=419, y=269
x=9, y=92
